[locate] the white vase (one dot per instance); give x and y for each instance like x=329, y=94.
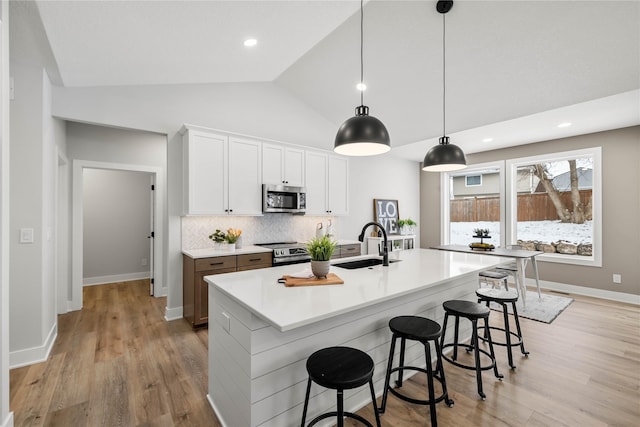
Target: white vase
x=320, y=269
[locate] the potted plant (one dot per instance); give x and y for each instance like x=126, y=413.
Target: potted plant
x=218, y=238
x=406, y=226
x=233, y=234
x=320, y=250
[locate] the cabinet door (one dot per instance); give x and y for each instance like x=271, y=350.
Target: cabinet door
x=205, y=173
x=245, y=177
x=338, y=186
x=316, y=167
x=272, y=164
x=294, y=167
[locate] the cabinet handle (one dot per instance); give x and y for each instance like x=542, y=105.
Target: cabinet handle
x=254, y=259
x=217, y=263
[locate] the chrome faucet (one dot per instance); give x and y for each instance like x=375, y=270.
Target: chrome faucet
x=385, y=249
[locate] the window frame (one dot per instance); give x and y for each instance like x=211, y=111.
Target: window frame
x=595, y=260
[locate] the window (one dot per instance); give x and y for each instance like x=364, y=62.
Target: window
x=473, y=180
x=554, y=205
x=480, y=205
x=550, y=202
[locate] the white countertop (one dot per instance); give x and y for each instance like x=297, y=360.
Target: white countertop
x=210, y=252
x=293, y=307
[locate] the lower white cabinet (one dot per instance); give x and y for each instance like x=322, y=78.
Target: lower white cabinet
x=327, y=184
x=394, y=243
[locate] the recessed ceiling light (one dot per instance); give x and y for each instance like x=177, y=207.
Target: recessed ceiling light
x=487, y=140
x=361, y=87
x=564, y=125
x=250, y=42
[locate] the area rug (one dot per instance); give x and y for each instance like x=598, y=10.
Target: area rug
x=542, y=310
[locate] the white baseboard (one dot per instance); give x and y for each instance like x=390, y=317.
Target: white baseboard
x=8, y=422
x=589, y=292
x=159, y=292
x=29, y=356
x=101, y=280
x=172, y=313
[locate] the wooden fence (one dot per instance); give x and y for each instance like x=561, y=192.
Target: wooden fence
x=531, y=207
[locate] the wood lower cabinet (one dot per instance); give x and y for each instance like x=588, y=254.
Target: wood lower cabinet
x=254, y=261
x=195, y=290
x=343, y=251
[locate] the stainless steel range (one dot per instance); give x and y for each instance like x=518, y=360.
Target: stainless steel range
x=285, y=253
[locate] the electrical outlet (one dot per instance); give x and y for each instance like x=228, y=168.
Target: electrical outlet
x=617, y=278
x=143, y=262
x=26, y=235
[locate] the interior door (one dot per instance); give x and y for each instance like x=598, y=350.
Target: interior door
x=152, y=233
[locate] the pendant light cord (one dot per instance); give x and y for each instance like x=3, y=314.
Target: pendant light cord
x=361, y=52
x=444, y=86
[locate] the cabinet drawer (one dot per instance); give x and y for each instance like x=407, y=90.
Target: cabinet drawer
x=248, y=260
x=216, y=263
x=349, y=250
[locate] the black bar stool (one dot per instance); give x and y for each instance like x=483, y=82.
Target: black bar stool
x=472, y=311
x=340, y=368
x=503, y=298
x=423, y=330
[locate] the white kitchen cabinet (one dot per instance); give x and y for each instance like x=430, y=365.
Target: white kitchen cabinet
x=205, y=173
x=222, y=175
x=327, y=184
x=394, y=243
x=245, y=177
x=282, y=165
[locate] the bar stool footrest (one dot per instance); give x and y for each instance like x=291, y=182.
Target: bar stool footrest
x=397, y=394
x=335, y=414
x=516, y=343
x=469, y=348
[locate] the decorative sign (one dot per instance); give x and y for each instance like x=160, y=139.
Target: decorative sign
x=386, y=213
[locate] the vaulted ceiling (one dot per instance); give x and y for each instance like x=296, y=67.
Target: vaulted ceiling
x=514, y=69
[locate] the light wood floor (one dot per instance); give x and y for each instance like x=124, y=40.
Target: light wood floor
x=118, y=363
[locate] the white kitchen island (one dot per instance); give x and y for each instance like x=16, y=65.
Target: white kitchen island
x=261, y=332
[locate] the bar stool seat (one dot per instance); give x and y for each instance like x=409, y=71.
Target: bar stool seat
x=503, y=298
x=340, y=368
x=423, y=330
x=492, y=277
x=472, y=311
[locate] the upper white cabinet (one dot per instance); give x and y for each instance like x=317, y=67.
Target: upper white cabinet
x=327, y=184
x=282, y=165
x=222, y=175
x=245, y=177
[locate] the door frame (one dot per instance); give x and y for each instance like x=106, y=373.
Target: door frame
x=77, y=224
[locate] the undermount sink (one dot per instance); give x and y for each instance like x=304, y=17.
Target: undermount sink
x=362, y=263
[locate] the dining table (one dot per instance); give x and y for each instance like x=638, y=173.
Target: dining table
x=521, y=256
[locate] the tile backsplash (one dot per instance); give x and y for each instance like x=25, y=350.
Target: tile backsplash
x=255, y=229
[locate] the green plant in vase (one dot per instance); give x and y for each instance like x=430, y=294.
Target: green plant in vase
x=406, y=226
x=320, y=250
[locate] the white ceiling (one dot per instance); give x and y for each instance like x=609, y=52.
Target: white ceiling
x=515, y=69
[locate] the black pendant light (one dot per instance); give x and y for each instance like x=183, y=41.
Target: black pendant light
x=444, y=157
x=362, y=135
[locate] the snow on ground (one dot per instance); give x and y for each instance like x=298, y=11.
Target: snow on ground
x=543, y=231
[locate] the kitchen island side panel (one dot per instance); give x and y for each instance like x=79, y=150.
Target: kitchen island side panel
x=258, y=374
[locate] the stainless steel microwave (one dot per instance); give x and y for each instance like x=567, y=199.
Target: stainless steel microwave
x=284, y=198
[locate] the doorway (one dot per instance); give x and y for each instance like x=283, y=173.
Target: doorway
x=152, y=234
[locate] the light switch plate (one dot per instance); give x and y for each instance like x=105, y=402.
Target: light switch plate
x=26, y=235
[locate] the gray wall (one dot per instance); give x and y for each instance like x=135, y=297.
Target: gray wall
x=33, y=174
x=490, y=186
x=116, y=225
x=620, y=207
x=5, y=413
